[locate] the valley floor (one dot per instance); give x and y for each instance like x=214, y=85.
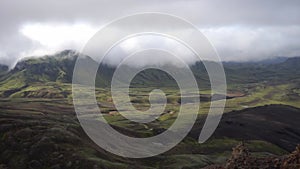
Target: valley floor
x=39, y=128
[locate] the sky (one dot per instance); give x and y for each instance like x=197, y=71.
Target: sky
x=240, y=30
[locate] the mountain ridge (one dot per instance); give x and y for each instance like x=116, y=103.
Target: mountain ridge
x=59, y=68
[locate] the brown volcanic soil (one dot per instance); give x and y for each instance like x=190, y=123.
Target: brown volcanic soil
x=277, y=124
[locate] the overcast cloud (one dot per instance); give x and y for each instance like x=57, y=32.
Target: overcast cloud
x=240, y=30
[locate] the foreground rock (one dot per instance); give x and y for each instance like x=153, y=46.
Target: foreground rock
x=242, y=158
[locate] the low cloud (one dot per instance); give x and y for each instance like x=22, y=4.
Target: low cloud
x=241, y=43
x=240, y=30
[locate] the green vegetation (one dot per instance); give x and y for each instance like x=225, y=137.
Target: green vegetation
x=38, y=126
x=50, y=126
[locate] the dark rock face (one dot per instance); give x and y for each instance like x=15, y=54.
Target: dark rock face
x=242, y=158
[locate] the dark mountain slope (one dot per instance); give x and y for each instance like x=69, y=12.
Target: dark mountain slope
x=3, y=69
x=277, y=124
x=273, y=73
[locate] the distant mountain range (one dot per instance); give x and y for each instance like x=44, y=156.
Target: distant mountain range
x=59, y=68
x=273, y=60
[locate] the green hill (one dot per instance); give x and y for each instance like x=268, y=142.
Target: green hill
x=58, y=68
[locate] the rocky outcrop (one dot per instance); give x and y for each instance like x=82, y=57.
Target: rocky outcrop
x=241, y=158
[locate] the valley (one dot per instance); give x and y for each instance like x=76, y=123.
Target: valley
x=39, y=127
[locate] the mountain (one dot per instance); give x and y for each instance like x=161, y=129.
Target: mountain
x=59, y=67
x=56, y=68
x=273, y=60
x=272, y=73
x=3, y=69
x=289, y=64
x=152, y=77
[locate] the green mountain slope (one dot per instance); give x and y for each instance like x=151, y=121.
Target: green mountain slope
x=58, y=68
